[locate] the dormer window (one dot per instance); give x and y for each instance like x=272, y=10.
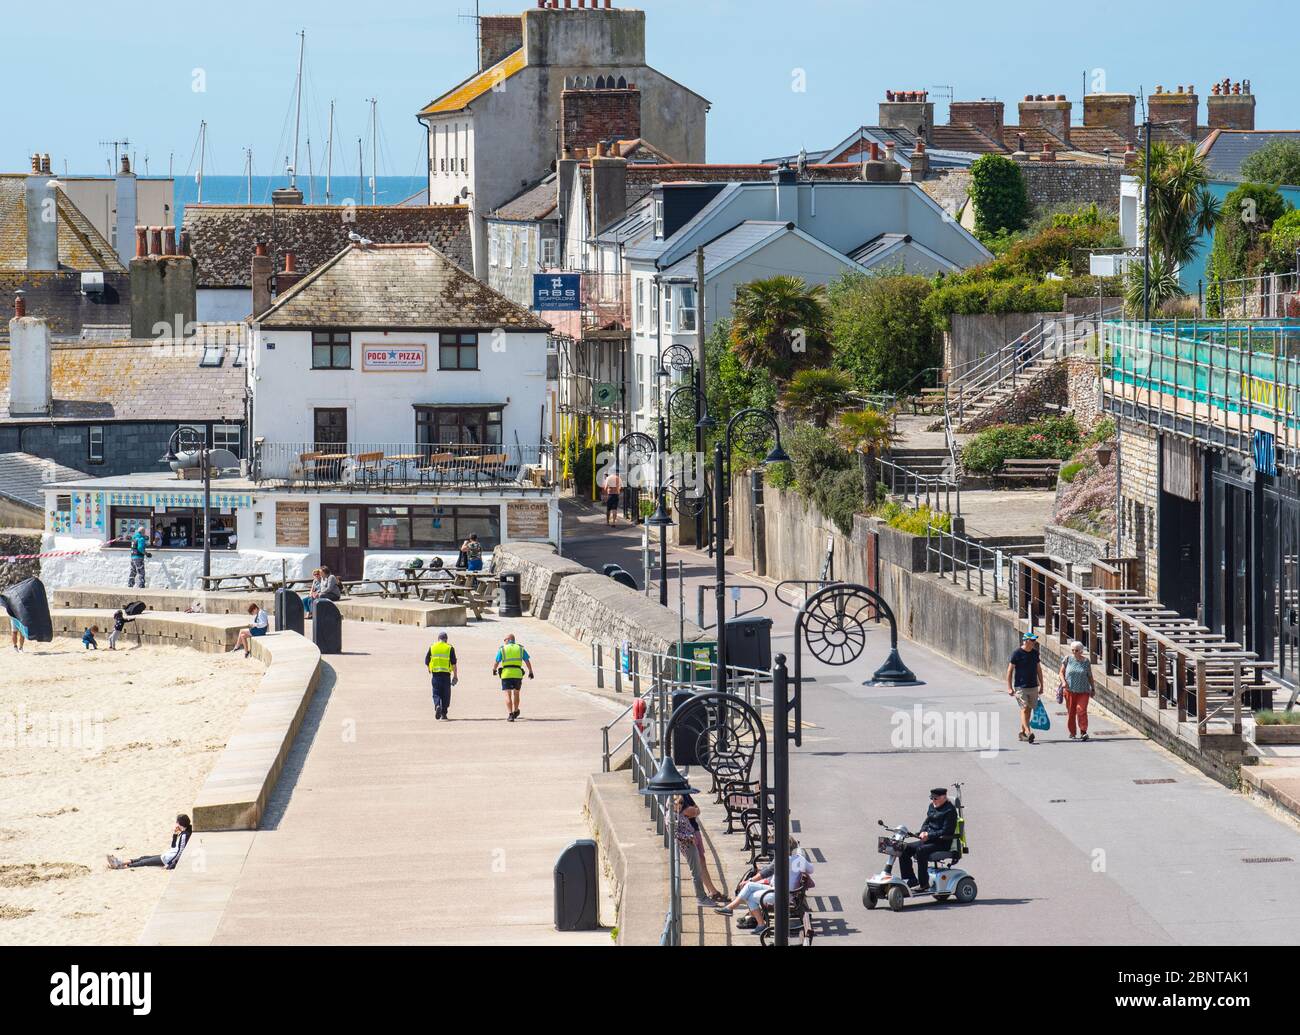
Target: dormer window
x=659, y=218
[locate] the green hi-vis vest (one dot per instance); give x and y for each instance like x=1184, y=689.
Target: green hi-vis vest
x=440, y=657
x=512, y=656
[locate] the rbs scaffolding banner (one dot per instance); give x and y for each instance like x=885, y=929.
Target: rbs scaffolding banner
x=557, y=292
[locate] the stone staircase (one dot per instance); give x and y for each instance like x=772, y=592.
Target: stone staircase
x=996, y=401
x=928, y=462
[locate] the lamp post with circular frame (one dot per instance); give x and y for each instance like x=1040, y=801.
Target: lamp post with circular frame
x=679, y=357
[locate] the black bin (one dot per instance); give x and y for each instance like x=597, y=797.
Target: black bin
x=509, y=600
x=327, y=626
x=623, y=578
x=687, y=730
x=289, y=612
x=609, y=569
x=577, y=888
x=749, y=642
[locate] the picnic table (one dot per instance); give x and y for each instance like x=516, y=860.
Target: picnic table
x=252, y=582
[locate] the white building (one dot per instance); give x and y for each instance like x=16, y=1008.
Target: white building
x=397, y=406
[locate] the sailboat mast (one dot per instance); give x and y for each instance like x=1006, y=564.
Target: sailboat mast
x=297, y=118
x=311, y=187
x=361, y=172
x=329, y=154
x=374, y=151
x=249, y=152
x=203, y=143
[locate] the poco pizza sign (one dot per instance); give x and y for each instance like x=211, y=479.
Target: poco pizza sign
x=389, y=359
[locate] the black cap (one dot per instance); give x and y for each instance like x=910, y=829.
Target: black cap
x=936, y=791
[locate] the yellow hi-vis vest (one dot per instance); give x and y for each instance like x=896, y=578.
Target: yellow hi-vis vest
x=440, y=657
x=512, y=656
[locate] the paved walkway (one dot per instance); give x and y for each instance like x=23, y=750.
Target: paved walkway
x=1113, y=841
x=389, y=827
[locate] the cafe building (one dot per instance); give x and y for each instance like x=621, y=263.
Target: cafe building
x=396, y=407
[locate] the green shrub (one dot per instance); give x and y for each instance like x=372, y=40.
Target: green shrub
x=1277, y=718
x=878, y=330
x=997, y=189
x=1071, y=470
x=914, y=521
x=1050, y=438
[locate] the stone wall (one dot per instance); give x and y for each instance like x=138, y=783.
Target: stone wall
x=166, y=569
x=1139, y=497
x=1070, y=545
x=1083, y=391
x=1052, y=184
x=18, y=541
x=1044, y=392
x=540, y=569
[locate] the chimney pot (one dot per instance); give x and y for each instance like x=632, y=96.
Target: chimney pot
x=185, y=241
x=169, y=240
x=20, y=306
x=290, y=262
x=126, y=165
x=259, y=248
x=45, y=163
x=36, y=162
x=141, y=241
x=155, y=240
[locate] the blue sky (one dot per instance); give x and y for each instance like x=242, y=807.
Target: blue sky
x=86, y=72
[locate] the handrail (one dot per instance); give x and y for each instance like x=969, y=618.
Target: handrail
x=999, y=556
x=1132, y=646
x=935, y=486
x=819, y=583
x=704, y=588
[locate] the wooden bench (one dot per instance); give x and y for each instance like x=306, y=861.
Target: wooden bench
x=1030, y=470
x=253, y=581
x=929, y=400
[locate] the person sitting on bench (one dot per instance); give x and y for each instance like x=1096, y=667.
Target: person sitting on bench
x=936, y=835
x=180, y=838
x=755, y=892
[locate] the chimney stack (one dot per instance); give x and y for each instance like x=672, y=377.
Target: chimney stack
x=1231, y=106
x=986, y=116
x=30, y=393
x=1113, y=111
x=42, y=205
x=608, y=187
x=289, y=276
x=263, y=273
x=911, y=110
x=499, y=35
x=1177, y=108
x=1050, y=113
x=163, y=286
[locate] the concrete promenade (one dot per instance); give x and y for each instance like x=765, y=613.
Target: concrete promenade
x=389, y=827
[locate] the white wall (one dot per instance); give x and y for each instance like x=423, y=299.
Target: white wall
x=380, y=405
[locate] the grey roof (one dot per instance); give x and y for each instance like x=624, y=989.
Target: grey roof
x=634, y=224
x=533, y=203
x=653, y=247
x=867, y=253
x=1225, y=150
x=723, y=249
x=140, y=379
x=23, y=476
x=398, y=286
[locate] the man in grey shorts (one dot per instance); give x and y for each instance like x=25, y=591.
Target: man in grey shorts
x=1025, y=680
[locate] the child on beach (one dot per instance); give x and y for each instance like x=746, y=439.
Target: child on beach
x=119, y=623
x=180, y=838
x=88, y=637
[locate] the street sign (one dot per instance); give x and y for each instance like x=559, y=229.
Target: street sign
x=557, y=292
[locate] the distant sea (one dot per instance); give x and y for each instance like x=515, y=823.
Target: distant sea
x=233, y=190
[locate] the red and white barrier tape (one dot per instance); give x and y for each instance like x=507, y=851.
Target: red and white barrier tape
x=58, y=553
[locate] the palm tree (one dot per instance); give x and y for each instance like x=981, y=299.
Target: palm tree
x=816, y=393
x=1182, y=208
x=779, y=324
x=1164, y=284
x=868, y=432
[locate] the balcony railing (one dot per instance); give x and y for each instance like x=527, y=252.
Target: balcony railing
x=402, y=467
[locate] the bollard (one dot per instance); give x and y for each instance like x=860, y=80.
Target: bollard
x=289, y=612
x=600, y=667
x=327, y=627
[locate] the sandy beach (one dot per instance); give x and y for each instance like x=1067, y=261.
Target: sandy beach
x=98, y=752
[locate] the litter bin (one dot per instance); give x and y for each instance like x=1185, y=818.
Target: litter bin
x=327, y=626
x=694, y=660
x=577, y=888
x=749, y=642
x=288, y=611
x=623, y=578
x=609, y=569
x=688, y=727
x=509, y=603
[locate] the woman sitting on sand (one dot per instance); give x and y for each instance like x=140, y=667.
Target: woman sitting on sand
x=257, y=627
x=168, y=860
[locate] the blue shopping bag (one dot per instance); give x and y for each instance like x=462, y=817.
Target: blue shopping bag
x=1039, y=719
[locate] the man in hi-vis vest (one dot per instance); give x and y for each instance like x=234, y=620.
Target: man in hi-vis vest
x=440, y=659
x=511, y=660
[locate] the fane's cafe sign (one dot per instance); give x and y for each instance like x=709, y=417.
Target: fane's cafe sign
x=390, y=359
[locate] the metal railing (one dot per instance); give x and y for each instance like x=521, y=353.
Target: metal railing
x=1270, y=296
x=403, y=466
x=985, y=569
x=1054, y=339
x=654, y=677
x=916, y=488
x=735, y=593
x=1184, y=668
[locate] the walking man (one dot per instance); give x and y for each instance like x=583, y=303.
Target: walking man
x=139, y=551
x=1025, y=680
x=511, y=660
x=440, y=659
x=613, y=493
